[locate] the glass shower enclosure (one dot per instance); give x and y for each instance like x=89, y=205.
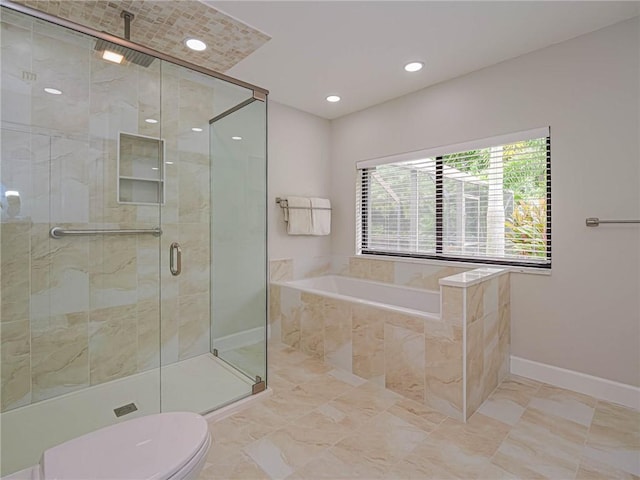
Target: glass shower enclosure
x=132, y=235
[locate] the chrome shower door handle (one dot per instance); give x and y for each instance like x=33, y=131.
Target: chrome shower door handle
x=175, y=259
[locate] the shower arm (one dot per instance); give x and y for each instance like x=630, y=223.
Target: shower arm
x=128, y=18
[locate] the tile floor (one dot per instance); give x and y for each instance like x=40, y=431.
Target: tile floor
x=326, y=423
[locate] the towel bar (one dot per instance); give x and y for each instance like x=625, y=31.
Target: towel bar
x=594, y=221
x=283, y=204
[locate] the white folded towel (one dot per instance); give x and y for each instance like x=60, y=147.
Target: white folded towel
x=320, y=216
x=299, y=216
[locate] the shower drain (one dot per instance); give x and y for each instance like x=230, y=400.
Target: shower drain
x=125, y=409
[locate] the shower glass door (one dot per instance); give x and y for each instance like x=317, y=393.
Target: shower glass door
x=239, y=276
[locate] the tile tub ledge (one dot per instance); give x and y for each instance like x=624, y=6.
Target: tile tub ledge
x=472, y=277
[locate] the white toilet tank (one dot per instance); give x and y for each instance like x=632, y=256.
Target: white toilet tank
x=155, y=447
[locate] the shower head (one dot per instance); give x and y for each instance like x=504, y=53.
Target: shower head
x=131, y=56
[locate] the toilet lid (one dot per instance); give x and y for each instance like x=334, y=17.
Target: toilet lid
x=153, y=447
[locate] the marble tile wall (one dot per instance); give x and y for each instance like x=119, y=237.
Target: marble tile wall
x=488, y=321
x=82, y=311
x=420, y=358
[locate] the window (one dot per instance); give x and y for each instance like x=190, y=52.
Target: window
x=487, y=201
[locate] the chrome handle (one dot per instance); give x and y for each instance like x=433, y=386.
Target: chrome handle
x=175, y=259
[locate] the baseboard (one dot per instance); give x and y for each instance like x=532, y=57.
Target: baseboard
x=597, y=387
x=240, y=339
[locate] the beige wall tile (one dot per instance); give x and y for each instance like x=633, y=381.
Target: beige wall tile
x=409, y=322
x=14, y=271
x=475, y=365
x=169, y=351
x=490, y=296
x=194, y=191
x=359, y=267
x=504, y=288
x=195, y=276
x=452, y=305
x=404, y=362
x=148, y=316
x=194, y=325
x=113, y=270
x=475, y=302
x=59, y=355
x=312, y=326
x=15, y=369
x=281, y=270
x=368, y=342
x=423, y=276
x=291, y=308
x=368, y=269
x=112, y=343
x=443, y=368
x=274, y=303
x=338, y=348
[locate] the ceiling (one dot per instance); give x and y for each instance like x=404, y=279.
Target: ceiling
x=358, y=49
x=164, y=26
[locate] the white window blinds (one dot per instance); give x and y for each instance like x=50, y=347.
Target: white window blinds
x=487, y=201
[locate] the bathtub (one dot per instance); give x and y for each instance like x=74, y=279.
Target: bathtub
x=400, y=299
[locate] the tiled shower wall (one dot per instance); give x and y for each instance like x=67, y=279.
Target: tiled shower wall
x=83, y=311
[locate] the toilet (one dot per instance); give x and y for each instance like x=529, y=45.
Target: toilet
x=164, y=446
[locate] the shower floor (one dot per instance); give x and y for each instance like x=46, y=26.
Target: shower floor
x=199, y=384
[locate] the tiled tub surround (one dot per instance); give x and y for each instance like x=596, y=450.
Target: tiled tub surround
x=84, y=311
x=449, y=359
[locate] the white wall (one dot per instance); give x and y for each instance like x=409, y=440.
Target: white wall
x=586, y=315
x=298, y=165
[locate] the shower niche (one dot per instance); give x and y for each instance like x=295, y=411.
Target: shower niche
x=140, y=170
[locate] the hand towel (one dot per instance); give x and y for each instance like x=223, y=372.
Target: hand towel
x=320, y=216
x=299, y=216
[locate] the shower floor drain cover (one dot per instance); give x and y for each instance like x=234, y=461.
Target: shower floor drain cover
x=125, y=409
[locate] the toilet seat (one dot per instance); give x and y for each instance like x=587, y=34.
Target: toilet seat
x=163, y=446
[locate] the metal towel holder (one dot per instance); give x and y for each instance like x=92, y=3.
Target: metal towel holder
x=595, y=221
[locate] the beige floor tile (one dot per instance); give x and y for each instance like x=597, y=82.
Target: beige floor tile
x=339, y=464
x=436, y=458
x=557, y=402
x=593, y=470
x=245, y=469
x=384, y=440
x=508, y=402
x=540, y=446
x=325, y=387
x=614, y=437
x=293, y=403
x=417, y=414
x=481, y=435
x=363, y=402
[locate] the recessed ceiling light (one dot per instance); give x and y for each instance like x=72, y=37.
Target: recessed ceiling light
x=151, y=120
x=11, y=193
x=169, y=163
x=53, y=91
x=112, y=56
x=236, y=138
x=413, y=66
x=195, y=44
x=333, y=98
x=155, y=168
x=196, y=129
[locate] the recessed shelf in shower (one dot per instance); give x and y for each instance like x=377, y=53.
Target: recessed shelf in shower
x=140, y=169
